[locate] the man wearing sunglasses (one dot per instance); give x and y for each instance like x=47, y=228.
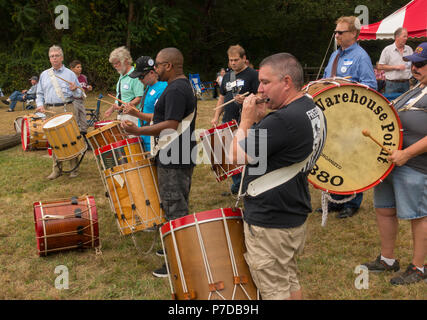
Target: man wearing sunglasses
x=350, y=60
x=397, y=72
x=403, y=194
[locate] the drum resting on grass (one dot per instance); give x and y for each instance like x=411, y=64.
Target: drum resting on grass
x=351, y=162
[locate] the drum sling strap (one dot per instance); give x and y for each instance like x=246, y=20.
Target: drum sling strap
x=166, y=139
x=56, y=86
x=279, y=176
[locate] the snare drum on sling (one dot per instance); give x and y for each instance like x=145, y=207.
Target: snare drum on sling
x=64, y=136
x=132, y=188
x=66, y=224
x=105, y=135
x=205, y=259
x=216, y=142
x=31, y=129
x=117, y=153
x=351, y=162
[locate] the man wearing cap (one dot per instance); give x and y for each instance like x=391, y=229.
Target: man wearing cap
x=57, y=96
x=175, y=112
x=128, y=89
x=144, y=71
x=397, y=71
x=23, y=95
x=403, y=194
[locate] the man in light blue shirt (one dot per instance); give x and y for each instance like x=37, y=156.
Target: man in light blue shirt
x=350, y=60
x=353, y=61
x=56, y=96
x=144, y=71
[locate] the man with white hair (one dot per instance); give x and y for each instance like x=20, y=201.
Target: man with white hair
x=56, y=95
x=129, y=90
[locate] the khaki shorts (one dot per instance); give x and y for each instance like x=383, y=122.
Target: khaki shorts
x=271, y=256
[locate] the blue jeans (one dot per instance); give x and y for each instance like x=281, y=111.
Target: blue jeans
x=396, y=87
x=404, y=189
x=14, y=98
x=355, y=203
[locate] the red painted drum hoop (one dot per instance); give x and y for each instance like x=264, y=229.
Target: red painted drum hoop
x=354, y=84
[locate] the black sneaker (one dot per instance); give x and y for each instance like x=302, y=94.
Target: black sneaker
x=161, y=272
x=380, y=265
x=160, y=253
x=411, y=275
x=5, y=102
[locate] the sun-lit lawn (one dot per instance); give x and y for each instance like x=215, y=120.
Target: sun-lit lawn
x=327, y=266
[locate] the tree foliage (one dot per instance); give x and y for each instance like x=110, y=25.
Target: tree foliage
x=201, y=29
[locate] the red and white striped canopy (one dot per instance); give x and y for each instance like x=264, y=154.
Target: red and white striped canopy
x=413, y=17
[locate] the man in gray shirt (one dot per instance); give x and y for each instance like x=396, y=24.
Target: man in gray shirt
x=403, y=194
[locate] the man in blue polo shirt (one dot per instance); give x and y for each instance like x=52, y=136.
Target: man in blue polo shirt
x=350, y=60
x=144, y=71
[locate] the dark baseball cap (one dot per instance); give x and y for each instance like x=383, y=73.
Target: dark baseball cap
x=142, y=66
x=420, y=54
x=34, y=78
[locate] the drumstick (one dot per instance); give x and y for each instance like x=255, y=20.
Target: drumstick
x=123, y=102
x=105, y=101
x=366, y=133
x=69, y=82
x=232, y=100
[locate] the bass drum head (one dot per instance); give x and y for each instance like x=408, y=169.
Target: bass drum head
x=351, y=162
x=25, y=134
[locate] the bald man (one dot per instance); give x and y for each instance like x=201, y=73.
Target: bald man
x=174, y=162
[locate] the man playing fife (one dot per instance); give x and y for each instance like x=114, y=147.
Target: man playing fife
x=275, y=220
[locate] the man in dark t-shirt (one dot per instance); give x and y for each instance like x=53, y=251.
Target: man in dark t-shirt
x=176, y=106
x=239, y=80
x=292, y=135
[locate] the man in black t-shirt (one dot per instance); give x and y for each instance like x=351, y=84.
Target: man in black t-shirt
x=293, y=134
x=176, y=106
x=239, y=80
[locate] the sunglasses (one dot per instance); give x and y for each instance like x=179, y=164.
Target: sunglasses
x=142, y=76
x=420, y=64
x=340, y=32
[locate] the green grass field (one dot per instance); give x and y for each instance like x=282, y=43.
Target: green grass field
x=327, y=266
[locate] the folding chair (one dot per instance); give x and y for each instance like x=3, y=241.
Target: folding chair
x=94, y=113
x=197, y=84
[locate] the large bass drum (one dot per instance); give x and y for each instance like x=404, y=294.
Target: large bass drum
x=351, y=162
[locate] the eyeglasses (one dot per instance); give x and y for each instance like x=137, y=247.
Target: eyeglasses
x=158, y=63
x=340, y=32
x=419, y=64
x=54, y=56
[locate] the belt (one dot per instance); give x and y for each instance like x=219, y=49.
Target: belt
x=57, y=104
x=402, y=80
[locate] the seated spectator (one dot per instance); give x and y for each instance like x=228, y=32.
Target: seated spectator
x=24, y=95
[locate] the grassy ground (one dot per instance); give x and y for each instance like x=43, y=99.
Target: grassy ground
x=326, y=267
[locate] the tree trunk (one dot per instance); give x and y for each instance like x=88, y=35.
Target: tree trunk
x=130, y=19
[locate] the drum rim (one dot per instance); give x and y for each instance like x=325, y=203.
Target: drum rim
x=39, y=224
x=103, y=128
x=208, y=132
x=117, y=144
x=56, y=116
x=390, y=105
x=202, y=217
x=25, y=128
